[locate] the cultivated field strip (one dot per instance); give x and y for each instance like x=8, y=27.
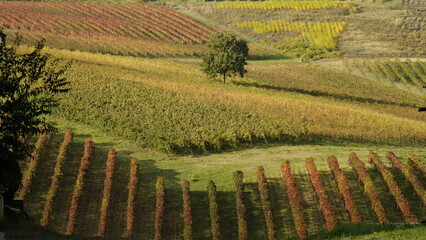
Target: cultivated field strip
x=125, y=29
x=395, y=70
x=317, y=34
x=294, y=5
x=290, y=206
x=100, y=20
x=282, y=109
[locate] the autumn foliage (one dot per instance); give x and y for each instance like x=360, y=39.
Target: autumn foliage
x=266, y=203
x=51, y=194
x=326, y=208
x=28, y=177
x=132, y=187
x=369, y=187
x=159, y=208
x=79, y=185
x=418, y=187
x=393, y=188
x=187, y=212
x=295, y=201
x=214, y=211
x=421, y=166
x=241, y=208
x=344, y=189
x=109, y=174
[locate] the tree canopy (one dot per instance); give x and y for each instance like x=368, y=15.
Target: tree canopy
x=227, y=56
x=29, y=84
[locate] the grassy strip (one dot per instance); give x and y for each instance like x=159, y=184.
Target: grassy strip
x=187, y=212
x=295, y=201
x=344, y=189
x=369, y=187
x=32, y=166
x=79, y=185
x=214, y=211
x=109, y=174
x=132, y=187
x=326, y=208
x=60, y=159
x=394, y=190
x=374, y=231
x=421, y=166
x=241, y=208
x=408, y=175
x=159, y=208
x=266, y=204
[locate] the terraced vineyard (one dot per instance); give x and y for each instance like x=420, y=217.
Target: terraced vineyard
x=126, y=29
x=162, y=208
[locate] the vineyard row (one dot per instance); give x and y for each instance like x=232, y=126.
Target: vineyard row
x=294, y=5
x=103, y=21
x=318, y=34
x=291, y=186
x=407, y=72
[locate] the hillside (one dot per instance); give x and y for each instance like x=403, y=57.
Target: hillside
x=127, y=88
x=146, y=131
x=324, y=28
x=307, y=103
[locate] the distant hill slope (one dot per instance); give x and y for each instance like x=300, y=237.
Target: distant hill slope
x=374, y=29
x=127, y=29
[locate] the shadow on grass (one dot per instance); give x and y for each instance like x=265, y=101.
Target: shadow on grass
x=359, y=229
x=173, y=219
x=322, y=94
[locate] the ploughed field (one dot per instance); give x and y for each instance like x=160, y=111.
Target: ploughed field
x=74, y=185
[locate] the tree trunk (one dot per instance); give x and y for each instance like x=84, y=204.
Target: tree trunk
x=224, y=78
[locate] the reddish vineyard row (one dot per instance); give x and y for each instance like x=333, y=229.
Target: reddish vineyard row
x=109, y=174
x=28, y=176
x=421, y=166
x=266, y=204
x=326, y=208
x=78, y=187
x=50, y=198
x=344, y=189
x=103, y=21
x=418, y=187
x=369, y=187
x=291, y=185
x=295, y=201
x=394, y=190
x=132, y=186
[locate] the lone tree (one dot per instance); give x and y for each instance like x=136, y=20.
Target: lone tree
x=29, y=84
x=227, y=56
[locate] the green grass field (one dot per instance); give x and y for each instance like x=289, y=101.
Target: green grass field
x=199, y=170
